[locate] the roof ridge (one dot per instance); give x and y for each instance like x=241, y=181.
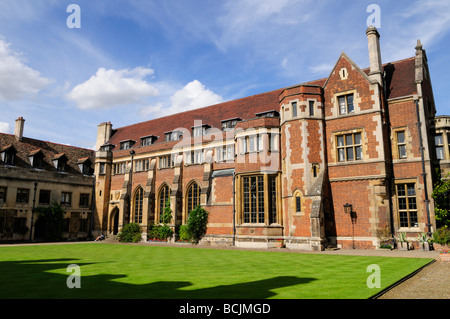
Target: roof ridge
x=200, y=108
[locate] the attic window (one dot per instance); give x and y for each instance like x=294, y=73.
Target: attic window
x=84, y=164
x=60, y=161
x=172, y=136
x=272, y=113
x=230, y=123
x=125, y=145
x=200, y=130
x=36, y=158
x=8, y=155
x=148, y=140
x=107, y=147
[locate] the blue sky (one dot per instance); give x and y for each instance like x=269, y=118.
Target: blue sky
x=132, y=61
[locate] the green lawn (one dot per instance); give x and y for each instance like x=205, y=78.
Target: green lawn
x=128, y=271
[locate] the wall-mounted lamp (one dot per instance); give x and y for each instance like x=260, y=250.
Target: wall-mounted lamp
x=348, y=208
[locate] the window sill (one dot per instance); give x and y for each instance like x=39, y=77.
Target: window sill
x=409, y=230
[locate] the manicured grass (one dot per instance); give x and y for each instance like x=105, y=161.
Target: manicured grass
x=128, y=271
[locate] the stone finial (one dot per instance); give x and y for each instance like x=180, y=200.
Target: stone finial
x=419, y=45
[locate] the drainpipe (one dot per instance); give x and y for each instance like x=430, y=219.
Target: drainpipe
x=234, y=209
x=32, y=210
x=424, y=174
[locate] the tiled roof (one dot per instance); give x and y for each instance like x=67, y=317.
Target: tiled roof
x=49, y=150
x=245, y=108
x=400, y=81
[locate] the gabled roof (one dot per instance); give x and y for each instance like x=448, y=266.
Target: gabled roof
x=49, y=150
x=400, y=81
x=345, y=56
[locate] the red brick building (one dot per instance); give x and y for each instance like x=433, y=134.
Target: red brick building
x=282, y=165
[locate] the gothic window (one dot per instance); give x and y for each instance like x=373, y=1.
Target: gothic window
x=163, y=197
x=138, y=203
x=193, y=197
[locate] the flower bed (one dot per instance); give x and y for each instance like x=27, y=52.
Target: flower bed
x=445, y=255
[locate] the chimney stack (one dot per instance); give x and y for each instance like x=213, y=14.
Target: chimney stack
x=104, y=131
x=376, y=67
x=18, y=130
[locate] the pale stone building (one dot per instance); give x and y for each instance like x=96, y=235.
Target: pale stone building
x=37, y=173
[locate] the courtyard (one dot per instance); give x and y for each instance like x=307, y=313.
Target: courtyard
x=119, y=271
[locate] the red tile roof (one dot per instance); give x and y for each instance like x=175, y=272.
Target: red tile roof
x=400, y=81
x=244, y=108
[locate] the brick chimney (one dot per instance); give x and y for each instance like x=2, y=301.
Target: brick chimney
x=376, y=67
x=18, y=130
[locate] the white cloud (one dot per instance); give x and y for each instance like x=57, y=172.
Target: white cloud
x=192, y=96
x=5, y=128
x=109, y=88
x=16, y=79
x=324, y=68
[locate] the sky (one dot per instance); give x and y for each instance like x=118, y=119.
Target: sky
x=65, y=69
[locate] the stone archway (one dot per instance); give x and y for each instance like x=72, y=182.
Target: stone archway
x=114, y=221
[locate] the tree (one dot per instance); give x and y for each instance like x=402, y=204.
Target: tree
x=441, y=196
x=50, y=222
x=197, y=223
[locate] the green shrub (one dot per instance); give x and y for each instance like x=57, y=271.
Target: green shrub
x=50, y=221
x=196, y=224
x=442, y=236
x=183, y=232
x=166, y=216
x=131, y=233
x=440, y=194
x=161, y=232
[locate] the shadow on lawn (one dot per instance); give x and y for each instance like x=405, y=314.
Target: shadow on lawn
x=34, y=279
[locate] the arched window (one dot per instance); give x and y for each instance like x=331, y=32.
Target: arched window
x=138, y=201
x=193, y=197
x=163, y=197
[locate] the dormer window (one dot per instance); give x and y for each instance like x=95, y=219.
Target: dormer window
x=60, y=161
x=8, y=155
x=125, y=145
x=84, y=164
x=200, y=130
x=172, y=136
x=107, y=147
x=230, y=123
x=36, y=158
x=272, y=113
x=148, y=140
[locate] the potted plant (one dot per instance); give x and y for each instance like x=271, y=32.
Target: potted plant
x=279, y=243
x=423, y=241
x=403, y=243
